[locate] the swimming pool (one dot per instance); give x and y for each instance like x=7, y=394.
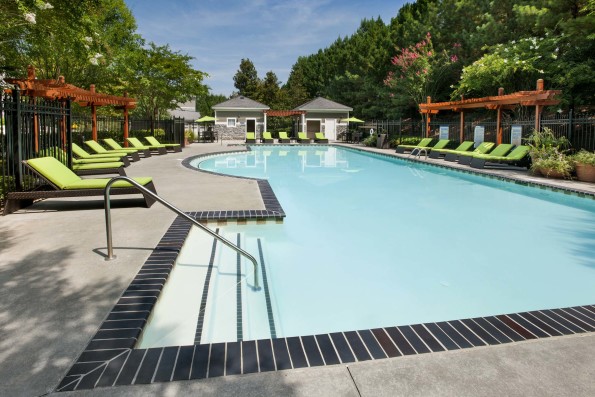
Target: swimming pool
x=373, y=242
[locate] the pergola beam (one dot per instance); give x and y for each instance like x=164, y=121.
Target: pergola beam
x=538, y=98
x=59, y=89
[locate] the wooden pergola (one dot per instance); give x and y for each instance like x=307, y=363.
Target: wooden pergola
x=59, y=89
x=538, y=98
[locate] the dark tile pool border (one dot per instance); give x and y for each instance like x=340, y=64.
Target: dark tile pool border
x=485, y=172
x=110, y=359
x=273, y=209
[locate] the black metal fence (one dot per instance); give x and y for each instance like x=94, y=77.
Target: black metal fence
x=578, y=128
x=30, y=127
x=169, y=130
x=34, y=127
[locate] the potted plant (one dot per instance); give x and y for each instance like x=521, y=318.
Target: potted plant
x=188, y=137
x=584, y=164
x=548, y=154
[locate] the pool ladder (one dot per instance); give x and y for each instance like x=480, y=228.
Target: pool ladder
x=145, y=191
x=417, y=152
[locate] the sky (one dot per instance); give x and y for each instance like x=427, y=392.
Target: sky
x=271, y=33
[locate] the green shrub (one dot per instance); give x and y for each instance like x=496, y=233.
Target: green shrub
x=405, y=140
x=583, y=157
x=370, y=140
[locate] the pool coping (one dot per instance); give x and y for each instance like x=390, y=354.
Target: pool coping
x=110, y=358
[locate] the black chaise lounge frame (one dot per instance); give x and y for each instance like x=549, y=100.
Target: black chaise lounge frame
x=18, y=200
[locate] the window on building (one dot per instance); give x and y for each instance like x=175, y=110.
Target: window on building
x=231, y=122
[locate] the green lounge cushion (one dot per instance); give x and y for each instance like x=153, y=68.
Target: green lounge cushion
x=320, y=136
x=154, y=142
x=61, y=155
x=441, y=144
x=116, y=146
x=100, y=149
x=250, y=135
x=463, y=147
x=302, y=135
x=96, y=160
x=501, y=150
x=283, y=135
x=139, y=145
x=98, y=166
x=483, y=148
x=267, y=135
x=423, y=143
x=57, y=173
x=517, y=154
x=82, y=153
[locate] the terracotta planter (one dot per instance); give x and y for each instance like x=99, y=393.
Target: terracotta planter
x=550, y=173
x=585, y=172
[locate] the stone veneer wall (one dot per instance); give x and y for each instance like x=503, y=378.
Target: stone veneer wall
x=235, y=133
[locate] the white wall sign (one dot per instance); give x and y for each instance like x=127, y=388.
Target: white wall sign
x=443, y=132
x=516, y=134
x=478, y=135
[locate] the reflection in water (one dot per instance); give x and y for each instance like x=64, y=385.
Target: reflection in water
x=259, y=159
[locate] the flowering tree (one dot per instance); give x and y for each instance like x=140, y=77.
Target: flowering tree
x=420, y=71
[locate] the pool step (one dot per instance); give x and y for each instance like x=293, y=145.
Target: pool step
x=234, y=310
x=209, y=298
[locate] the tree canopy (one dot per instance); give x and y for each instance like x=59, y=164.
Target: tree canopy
x=506, y=43
x=94, y=42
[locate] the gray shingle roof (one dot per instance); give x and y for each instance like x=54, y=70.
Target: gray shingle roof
x=240, y=102
x=323, y=104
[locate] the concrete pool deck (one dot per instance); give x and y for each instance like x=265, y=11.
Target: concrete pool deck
x=57, y=289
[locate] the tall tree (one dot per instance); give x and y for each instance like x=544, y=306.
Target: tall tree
x=269, y=89
x=246, y=79
x=160, y=78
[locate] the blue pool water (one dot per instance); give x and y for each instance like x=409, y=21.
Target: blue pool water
x=370, y=241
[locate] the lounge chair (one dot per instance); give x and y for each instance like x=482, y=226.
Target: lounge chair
x=146, y=150
x=463, y=147
x=137, y=144
x=84, y=155
x=283, y=138
x=500, y=150
x=250, y=137
x=482, y=148
x=303, y=137
x=408, y=148
x=174, y=147
x=97, y=148
x=441, y=144
x=62, y=182
x=519, y=157
x=87, y=167
x=320, y=138
x=267, y=137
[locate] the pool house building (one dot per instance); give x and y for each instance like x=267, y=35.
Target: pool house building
x=240, y=115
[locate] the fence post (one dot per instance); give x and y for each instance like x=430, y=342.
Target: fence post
x=570, y=126
x=17, y=137
x=69, y=131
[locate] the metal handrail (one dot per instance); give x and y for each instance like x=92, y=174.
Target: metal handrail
x=144, y=190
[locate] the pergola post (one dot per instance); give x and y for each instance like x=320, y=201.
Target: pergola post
x=538, y=107
x=125, y=122
x=265, y=122
x=499, y=119
x=428, y=101
x=93, y=116
x=462, y=126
